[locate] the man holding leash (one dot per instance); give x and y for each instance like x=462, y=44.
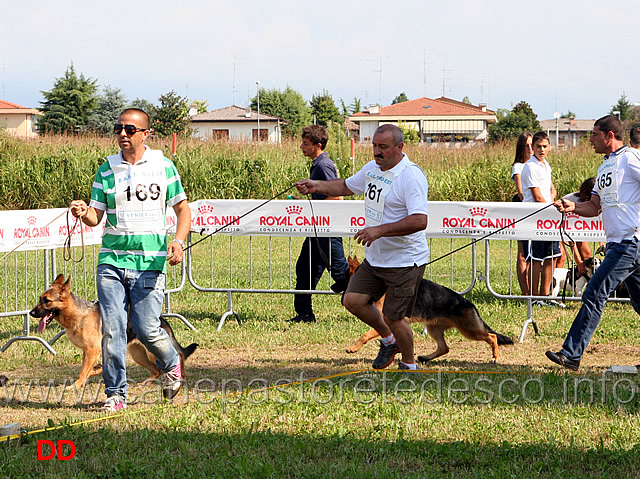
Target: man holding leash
x=395, y=191
x=318, y=254
x=616, y=194
x=134, y=188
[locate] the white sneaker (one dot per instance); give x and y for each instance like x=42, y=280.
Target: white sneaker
x=113, y=404
x=172, y=382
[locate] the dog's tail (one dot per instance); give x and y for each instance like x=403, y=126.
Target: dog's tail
x=502, y=339
x=188, y=351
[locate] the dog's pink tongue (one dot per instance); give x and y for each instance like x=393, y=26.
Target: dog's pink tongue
x=43, y=323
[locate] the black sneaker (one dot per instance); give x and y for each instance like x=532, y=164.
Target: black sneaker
x=385, y=355
x=302, y=318
x=563, y=361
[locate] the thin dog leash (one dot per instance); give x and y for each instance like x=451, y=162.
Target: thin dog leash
x=490, y=234
x=324, y=258
x=239, y=217
x=315, y=232
x=67, y=243
x=25, y=241
x=563, y=232
x=67, y=253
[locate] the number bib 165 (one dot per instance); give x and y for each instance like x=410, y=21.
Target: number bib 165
x=607, y=183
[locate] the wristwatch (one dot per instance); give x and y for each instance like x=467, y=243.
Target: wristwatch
x=180, y=242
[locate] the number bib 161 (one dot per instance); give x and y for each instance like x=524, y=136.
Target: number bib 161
x=379, y=185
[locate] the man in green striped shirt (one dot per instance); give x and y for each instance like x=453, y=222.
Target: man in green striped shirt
x=134, y=189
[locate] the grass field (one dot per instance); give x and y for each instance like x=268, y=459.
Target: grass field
x=272, y=399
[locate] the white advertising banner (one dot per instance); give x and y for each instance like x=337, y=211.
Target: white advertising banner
x=40, y=229
x=24, y=230
x=344, y=218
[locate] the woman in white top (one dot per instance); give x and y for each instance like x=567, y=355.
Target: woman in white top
x=524, y=150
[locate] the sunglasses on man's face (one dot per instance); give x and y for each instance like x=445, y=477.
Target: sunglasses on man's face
x=128, y=129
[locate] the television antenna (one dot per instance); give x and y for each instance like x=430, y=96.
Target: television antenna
x=445, y=78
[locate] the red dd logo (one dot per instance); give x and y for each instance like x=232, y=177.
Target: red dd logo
x=51, y=449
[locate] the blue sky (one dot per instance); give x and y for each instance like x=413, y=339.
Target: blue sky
x=556, y=55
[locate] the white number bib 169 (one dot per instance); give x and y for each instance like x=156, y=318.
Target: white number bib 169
x=140, y=193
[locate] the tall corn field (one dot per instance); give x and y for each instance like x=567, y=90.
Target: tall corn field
x=50, y=171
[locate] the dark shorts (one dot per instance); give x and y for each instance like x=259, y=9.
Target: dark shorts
x=540, y=250
x=399, y=284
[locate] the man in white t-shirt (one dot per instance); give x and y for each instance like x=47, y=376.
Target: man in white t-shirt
x=538, y=187
x=395, y=191
x=617, y=195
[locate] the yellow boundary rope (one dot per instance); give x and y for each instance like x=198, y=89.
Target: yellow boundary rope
x=269, y=388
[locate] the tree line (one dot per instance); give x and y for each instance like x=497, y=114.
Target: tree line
x=510, y=123
x=74, y=105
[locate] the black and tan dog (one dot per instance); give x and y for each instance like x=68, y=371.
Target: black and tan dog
x=83, y=326
x=440, y=309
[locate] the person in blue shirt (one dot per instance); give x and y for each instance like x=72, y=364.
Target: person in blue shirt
x=318, y=253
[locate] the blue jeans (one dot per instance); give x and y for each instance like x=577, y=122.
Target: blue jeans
x=136, y=295
x=311, y=265
x=621, y=263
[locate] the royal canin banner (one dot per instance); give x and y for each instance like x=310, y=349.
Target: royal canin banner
x=345, y=218
x=24, y=230
x=42, y=229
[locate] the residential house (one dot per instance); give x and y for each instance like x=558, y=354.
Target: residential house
x=18, y=120
x=434, y=120
x=235, y=123
x=566, y=132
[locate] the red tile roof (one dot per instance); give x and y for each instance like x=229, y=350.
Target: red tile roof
x=8, y=104
x=428, y=107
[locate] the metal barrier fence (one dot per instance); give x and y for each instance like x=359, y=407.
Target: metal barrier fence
x=251, y=264
x=27, y=274
x=502, y=282
x=228, y=264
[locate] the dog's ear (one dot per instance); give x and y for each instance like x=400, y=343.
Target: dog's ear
x=59, y=279
x=66, y=287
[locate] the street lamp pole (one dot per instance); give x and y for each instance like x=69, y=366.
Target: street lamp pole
x=556, y=115
x=258, y=89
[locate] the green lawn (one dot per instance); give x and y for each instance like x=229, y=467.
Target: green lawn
x=270, y=399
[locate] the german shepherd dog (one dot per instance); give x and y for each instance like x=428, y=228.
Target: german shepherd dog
x=83, y=326
x=440, y=309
